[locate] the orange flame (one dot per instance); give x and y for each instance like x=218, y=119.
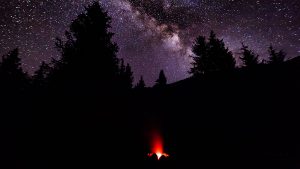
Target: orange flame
x=157, y=146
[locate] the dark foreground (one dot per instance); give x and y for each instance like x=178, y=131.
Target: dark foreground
x=221, y=121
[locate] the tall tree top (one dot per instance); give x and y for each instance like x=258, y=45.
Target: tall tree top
x=248, y=57
x=89, y=57
x=11, y=73
x=141, y=84
x=162, y=80
x=11, y=61
x=211, y=55
x=276, y=57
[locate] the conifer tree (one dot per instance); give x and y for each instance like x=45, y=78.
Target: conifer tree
x=248, y=57
x=128, y=77
x=211, y=55
x=141, y=84
x=276, y=57
x=162, y=80
x=40, y=76
x=89, y=57
x=12, y=75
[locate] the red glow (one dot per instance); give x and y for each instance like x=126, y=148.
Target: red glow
x=157, y=145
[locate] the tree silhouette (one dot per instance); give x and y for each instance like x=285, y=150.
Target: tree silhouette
x=125, y=76
x=11, y=74
x=40, y=76
x=128, y=77
x=248, y=57
x=201, y=61
x=122, y=74
x=221, y=57
x=211, y=56
x=122, y=68
x=141, y=84
x=276, y=57
x=162, y=80
x=89, y=58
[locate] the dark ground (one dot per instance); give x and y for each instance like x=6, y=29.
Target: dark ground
x=234, y=120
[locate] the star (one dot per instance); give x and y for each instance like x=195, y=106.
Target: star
x=155, y=34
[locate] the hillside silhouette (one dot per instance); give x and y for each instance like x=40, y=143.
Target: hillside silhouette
x=83, y=110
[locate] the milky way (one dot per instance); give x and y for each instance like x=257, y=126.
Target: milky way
x=154, y=34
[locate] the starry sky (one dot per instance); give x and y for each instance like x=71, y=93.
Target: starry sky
x=153, y=34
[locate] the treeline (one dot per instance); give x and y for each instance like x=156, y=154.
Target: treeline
x=211, y=55
x=89, y=62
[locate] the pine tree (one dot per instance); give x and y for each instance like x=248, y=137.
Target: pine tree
x=276, y=57
x=162, y=80
x=125, y=76
x=11, y=63
x=141, y=84
x=220, y=58
x=248, y=57
x=122, y=68
x=211, y=56
x=89, y=58
x=40, y=76
x=12, y=75
x=200, y=64
x=128, y=77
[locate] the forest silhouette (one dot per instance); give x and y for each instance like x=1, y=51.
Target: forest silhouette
x=83, y=110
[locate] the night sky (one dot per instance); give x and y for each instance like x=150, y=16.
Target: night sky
x=153, y=34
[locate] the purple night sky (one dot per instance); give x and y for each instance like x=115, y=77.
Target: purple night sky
x=154, y=34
